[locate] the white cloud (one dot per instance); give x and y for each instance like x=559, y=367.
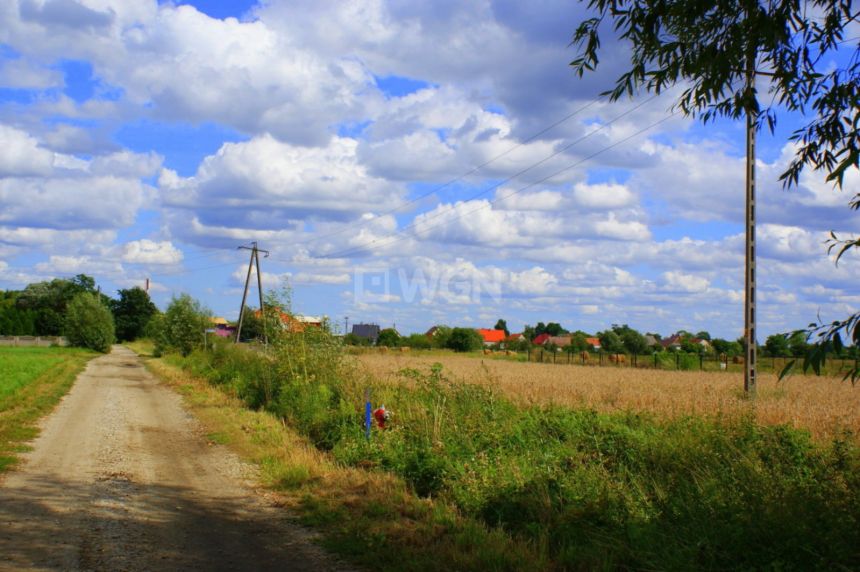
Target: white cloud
x=147, y=251
x=22, y=155
x=681, y=282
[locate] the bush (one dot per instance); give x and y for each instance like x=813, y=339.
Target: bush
x=416, y=341
x=182, y=325
x=465, y=340
x=89, y=323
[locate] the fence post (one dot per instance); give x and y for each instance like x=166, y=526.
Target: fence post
x=701, y=362
x=367, y=414
x=601, y=358
x=677, y=360
x=655, y=360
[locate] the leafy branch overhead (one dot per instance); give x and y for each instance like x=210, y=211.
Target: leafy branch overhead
x=708, y=47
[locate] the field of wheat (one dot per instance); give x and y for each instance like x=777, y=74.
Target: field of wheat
x=826, y=406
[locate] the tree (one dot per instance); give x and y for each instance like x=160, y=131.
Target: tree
x=503, y=325
x=633, y=341
x=388, y=337
x=540, y=328
x=417, y=341
x=465, y=340
x=579, y=342
x=554, y=329
x=703, y=335
x=797, y=344
x=529, y=332
x=610, y=342
x=441, y=337
x=131, y=312
x=712, y=47
x=89, y=323
x=184, y=323
x=252, y=325
x=777, y=345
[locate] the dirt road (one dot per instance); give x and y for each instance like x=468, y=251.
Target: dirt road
x=122, y=478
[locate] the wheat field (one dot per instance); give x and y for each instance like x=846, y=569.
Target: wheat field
x=826, y=406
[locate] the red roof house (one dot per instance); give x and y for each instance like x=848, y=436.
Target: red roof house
x=541, y=339
x=492, y=336
x=593, y=342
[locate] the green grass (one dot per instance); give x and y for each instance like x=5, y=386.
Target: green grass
x=32, y=381
x=585, y=490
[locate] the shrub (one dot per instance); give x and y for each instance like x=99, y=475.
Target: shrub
x=89, y=323
x=183, y=325
x=465, y=340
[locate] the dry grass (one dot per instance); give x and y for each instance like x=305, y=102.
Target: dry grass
x=826, y=406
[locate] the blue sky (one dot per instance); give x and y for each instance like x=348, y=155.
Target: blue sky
x=407, y=164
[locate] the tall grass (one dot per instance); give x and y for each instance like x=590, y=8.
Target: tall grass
x=825, y=406
x=587, y=489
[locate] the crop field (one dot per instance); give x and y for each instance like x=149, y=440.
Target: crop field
x=32, y=381
x=826, y=406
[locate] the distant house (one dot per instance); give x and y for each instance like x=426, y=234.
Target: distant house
x=492, y=336
x=674, y=342
x=366, y=331
x=431, y=333
x=594, y=343
x=560, y=341
x=541, y=339
x=296, y=323
x=651, y=340
x=515, y=338
x=222, y=327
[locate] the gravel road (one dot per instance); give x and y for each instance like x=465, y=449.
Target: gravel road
x=122, y=478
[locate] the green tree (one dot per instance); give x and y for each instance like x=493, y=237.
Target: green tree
x=442, y=337
x=777, y=346
x=417, y=341
x=503, y=325
x=252, y=325
x=354, y=340
x=633, y=341
x=465, y=340
x=131, y=312
x=184, y=323
x=704, y=335
x=555, y=329
x=388, y=338
x=529, y=332
x=797, y=344
x=540, y=328
x=89, y=323
x=579, y=343
x=610, y=342
x=712, y=48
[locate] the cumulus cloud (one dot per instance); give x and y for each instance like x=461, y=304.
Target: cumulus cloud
x=147, y=251
x=265, y=184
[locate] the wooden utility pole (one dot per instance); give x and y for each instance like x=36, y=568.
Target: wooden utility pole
x=749, y=274
x=345, y=325
x=255, y=259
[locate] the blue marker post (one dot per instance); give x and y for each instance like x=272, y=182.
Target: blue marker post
x=368, y=418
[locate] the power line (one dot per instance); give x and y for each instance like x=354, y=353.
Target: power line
x=396, y=238
x=456, y=179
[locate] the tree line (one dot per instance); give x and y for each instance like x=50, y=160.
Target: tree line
x=77, y=309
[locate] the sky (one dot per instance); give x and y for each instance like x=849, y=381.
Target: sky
x=403, y=163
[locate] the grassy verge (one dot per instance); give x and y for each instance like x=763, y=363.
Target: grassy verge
x=495, y=484
x=32, y=381
x=363, y=513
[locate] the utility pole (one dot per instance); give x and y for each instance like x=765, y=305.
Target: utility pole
x=345, y=325
x=255, y=258
x=749, y=274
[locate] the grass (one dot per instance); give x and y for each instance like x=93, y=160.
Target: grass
x=825, y=406
x=362, y=513
x=513, y=481
x=32, y=381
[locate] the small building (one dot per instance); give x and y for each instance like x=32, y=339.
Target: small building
x=366, y=331
x=222, y=328
x=491, y=337
x=594, y=343
x=560, y=341
x=541, y=339
x=515, y=338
